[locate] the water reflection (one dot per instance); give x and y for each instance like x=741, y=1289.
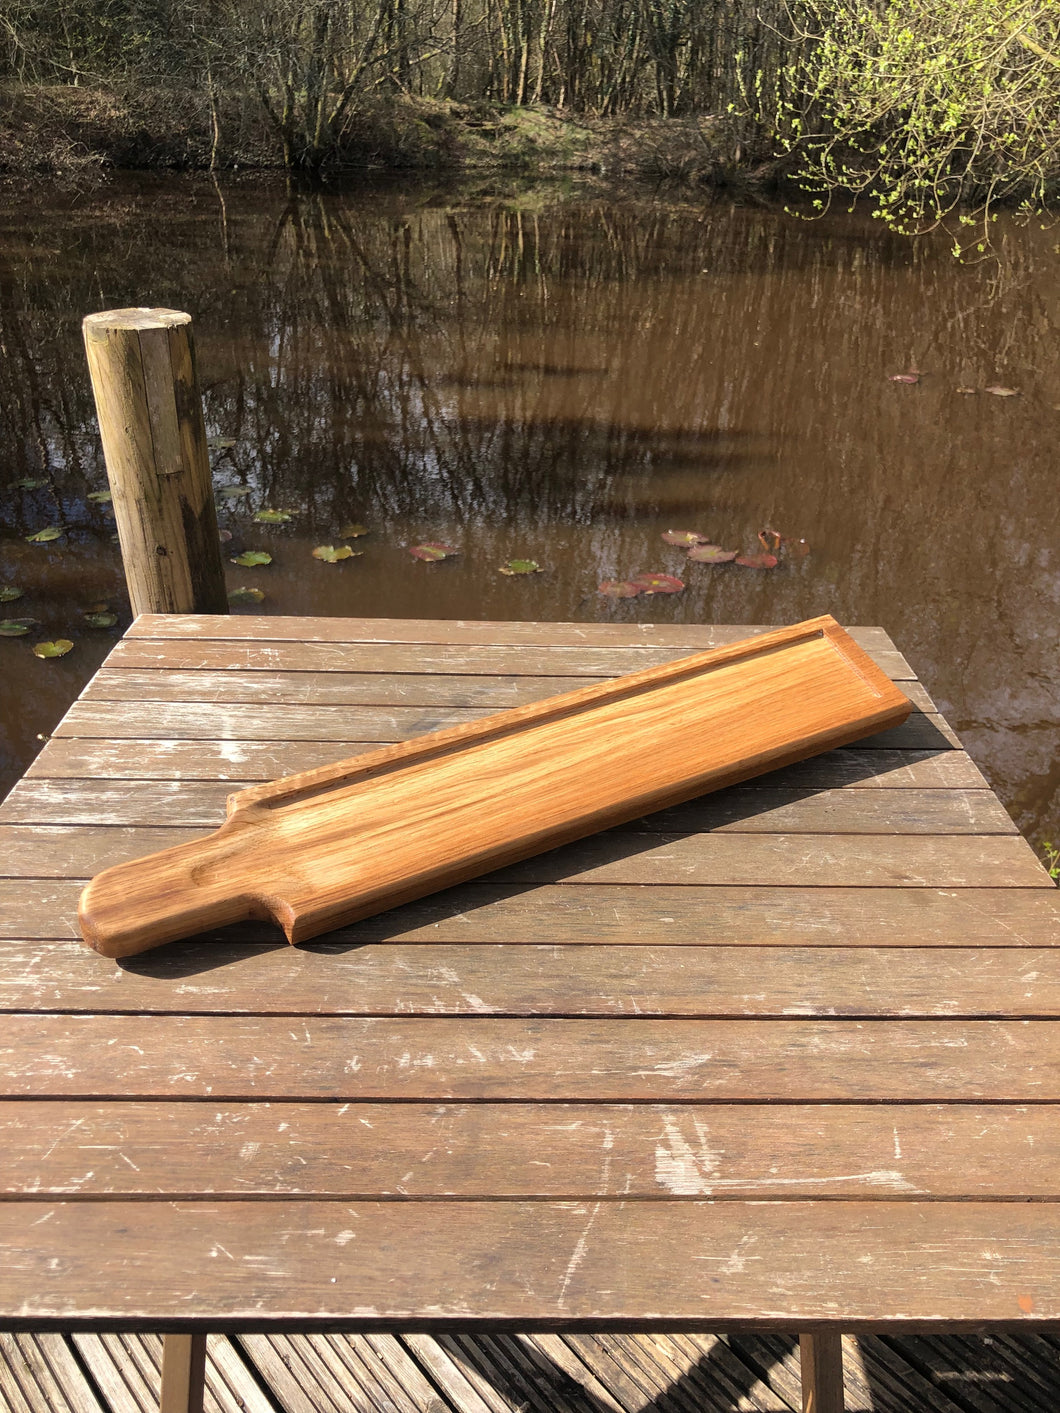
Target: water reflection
x=563, y=380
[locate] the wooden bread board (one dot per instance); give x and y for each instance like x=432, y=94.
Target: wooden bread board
x=324, y=848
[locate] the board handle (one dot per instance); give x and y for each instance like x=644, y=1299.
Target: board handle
x=169, y=895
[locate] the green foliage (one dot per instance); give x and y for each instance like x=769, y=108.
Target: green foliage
x=1052, y=860
x=923, y=106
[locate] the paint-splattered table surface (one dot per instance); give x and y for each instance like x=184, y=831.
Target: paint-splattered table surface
x=786, y=1055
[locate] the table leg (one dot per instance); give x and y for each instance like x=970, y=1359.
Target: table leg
x=822, y=1372
x=183, y=1373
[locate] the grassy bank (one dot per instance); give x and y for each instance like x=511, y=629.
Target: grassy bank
x=75, y=131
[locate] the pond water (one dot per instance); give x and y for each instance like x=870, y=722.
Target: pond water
x=562, y=376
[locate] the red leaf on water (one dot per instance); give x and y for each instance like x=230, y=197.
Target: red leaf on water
x=904, y=378
x=620, y=589
x=711, y=554
x=757, y=561
x=653, y=583
x=798, y=549
x=683, y=537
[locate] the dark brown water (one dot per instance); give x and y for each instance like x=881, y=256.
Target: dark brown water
x=563, y=378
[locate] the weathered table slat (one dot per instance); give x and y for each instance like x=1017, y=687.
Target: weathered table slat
x=539, y=1264
x=351, y=688
x=623, y=856
x=269, y=1057
x=787, y=1057
x=518, y=979
x=353, y=1150
x=577, y=913
x=740, y=810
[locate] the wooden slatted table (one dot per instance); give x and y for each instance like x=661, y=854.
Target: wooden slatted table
x=786, y=1056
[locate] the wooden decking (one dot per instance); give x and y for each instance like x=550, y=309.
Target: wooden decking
x=89, y=1373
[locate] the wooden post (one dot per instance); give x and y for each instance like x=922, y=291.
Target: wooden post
x=142, y=365
x=183, y=1373
x=821, y=1355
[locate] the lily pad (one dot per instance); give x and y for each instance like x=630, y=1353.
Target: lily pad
x=353, y=531
x=432, y=551
x=757, y=561
x=221, y=443
x=658, y=583
x=8, y=594
x=244, y=596
x=27, y=483
x=101, y=620
x=1002, y=392
x=620, y=589
x=904, y=378
x=272, y=517
x=233, y=492
x=43, y=536
x=684, y=537
x=798, y=549
x=521, y=566
x=330, y=554
x=711, y=554
x=100, y=497
x=59, y=648
x=250, y=559
x=14, y=627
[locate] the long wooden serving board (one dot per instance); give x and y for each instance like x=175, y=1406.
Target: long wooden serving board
x=329, y=846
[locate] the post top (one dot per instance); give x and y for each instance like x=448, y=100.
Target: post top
x=96, y=324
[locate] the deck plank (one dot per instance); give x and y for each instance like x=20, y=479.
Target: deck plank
x=624, y=856
x=521, y=979
x=542, y=1060
x=590, y=1265
x=357, y=1151
x=740, y=810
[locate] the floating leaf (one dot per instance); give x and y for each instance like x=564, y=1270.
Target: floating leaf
x=770, y=539
x=354, y=531
x=620, y=589
x=658, y=583
x=241, y=596
x=684, y=537
x=99, y=607
x=14, y=627
x=798, y=549
x=221, y=443
x=521, y=566
x=432, y=552
x=757, y=561
x=43, y=536
x=59, y=648
x=100, y=497
x=27, y=483
x=233, y=492
x=250, y=559
x=273, y=517
x=1002, y=392
x=968, y=392
x=330, y=555
x=711, y=554
x=904, y=378
x=9, y=594
x=101, y=620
